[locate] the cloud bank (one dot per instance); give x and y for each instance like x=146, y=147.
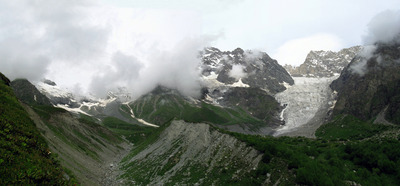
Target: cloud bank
x=91, y=48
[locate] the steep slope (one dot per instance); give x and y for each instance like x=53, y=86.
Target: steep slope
x=25, y=157
x=324, y=63
x=83, y=146
x=371, y=85
x=187, y=153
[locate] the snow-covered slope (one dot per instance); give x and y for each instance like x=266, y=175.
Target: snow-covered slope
x=88, y=105
x=303, y=100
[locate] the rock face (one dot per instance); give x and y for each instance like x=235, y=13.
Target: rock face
x=371, y=83
x=324, y=63
x=192, y=154
x=253, y=68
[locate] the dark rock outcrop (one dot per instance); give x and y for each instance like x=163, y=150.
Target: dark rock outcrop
x=369, y=85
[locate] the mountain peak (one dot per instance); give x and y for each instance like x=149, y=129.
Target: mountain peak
x=320, y=63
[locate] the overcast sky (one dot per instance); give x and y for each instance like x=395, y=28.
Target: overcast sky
x=84, y=43
x=285, y=29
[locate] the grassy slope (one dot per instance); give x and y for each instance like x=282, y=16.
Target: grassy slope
x=132, y=132
x=24, y=154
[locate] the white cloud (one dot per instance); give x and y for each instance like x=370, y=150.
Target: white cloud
x=237, y=71
x=384, y=28
x=294, y=52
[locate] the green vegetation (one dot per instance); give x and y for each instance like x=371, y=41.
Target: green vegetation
x=161, y=108
x=132, y=132
x=346, y=151
x=45, y=111
x=24, y=155
x=348, y=127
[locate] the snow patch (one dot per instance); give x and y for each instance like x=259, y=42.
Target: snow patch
x=74, y=110
x=140, y=120
x=239, y=84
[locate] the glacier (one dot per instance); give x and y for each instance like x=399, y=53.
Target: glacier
x=303, y=100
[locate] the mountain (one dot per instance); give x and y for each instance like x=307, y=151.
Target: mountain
x=237, y=94
x=324, y=63
x=237, y=113
x=186, y=141
x=369, y=85
x=238, y=89
x=243, y=68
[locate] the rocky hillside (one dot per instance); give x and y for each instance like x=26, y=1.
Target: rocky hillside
x=324, y=63
x=188, y=153
x=370, y=85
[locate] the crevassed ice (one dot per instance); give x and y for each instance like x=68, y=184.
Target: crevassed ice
x=303, y=100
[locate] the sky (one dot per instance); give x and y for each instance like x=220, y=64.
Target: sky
x=93, y=46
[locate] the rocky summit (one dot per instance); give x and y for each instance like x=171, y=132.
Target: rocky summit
x=324, y=63
x=244, y=68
